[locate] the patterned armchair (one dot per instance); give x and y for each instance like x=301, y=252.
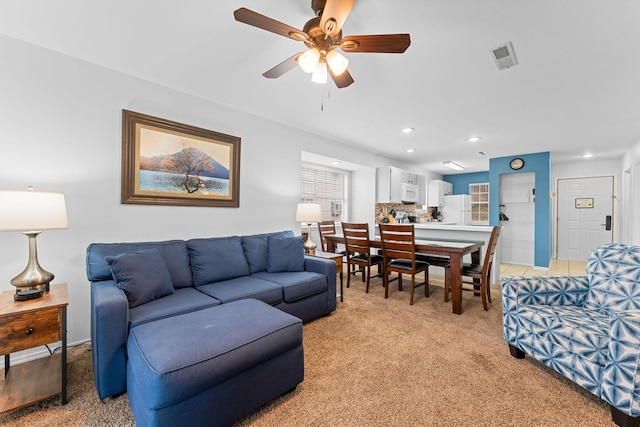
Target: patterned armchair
x=587, y=328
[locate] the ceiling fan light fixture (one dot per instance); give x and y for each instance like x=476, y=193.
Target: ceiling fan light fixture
x=308, y=61
x=453, y=165
x=320, y=73
x=338, y=63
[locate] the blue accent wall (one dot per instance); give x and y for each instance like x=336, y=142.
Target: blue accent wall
x=540, y=164
x=461, y=181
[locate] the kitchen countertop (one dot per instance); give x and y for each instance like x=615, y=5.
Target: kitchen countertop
x=454, y=227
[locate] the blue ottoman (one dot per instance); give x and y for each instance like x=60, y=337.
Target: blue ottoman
x=213, y=366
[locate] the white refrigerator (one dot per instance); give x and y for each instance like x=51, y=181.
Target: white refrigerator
x=457, y=209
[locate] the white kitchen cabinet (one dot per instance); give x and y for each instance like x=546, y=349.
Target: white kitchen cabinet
x=408, y=177
x=437, y=190
x=389, y=184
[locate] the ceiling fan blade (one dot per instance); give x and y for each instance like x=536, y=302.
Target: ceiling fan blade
x=335, y=12
x=283, y=67
x=343, y=80
x=380, y=43
x=255, y=19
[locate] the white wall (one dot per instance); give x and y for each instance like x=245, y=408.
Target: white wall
x=60, y=130
x=631, y=195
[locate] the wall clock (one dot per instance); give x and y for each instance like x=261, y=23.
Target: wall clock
x=516, y=163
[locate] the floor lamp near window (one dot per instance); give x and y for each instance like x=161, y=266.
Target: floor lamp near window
x=309, y=213
x=32, y=212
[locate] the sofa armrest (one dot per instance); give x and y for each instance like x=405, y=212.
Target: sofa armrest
x=109, y=330
x=545, y=290
x=621, y=373
x=328, y=268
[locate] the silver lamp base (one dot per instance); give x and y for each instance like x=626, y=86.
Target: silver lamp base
x=309, y=246
x=34, y=280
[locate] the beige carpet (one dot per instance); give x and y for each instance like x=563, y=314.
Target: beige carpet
x=378, y=362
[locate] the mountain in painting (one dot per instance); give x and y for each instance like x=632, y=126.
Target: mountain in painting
x=191, y=159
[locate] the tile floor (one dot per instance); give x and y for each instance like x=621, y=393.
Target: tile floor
x=558, y=267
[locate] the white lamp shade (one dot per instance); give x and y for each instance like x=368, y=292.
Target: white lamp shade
x=337, y=62
x=32, y=211
x=309, y=60
x=320, y=73
x=308, y=212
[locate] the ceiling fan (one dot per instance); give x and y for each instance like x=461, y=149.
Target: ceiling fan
x=322, y=36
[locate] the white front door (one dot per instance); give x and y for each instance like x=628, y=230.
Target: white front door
x=585, y=215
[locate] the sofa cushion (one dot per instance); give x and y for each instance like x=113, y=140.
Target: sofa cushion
x=242, y=288
x=222, y=342
x=614, y=278
x=216, y=259
x=285, y=254
x=184, y=300
x=581, y=331
x=255, y=249
x=296, y=285
x=174, y=252
x=142, y=275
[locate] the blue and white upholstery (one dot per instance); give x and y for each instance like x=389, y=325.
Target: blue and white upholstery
x=587, y=328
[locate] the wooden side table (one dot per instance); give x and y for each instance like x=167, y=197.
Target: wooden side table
x=28, y=324
x=338, y=260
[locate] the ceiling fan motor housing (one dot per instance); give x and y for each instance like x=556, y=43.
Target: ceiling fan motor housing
x=319, y=39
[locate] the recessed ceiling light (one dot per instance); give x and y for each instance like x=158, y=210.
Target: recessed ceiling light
x=587, y=155
x=411, y=150
x=474, y=139
x=453, y=165
x=407, y=130
x=335, y=162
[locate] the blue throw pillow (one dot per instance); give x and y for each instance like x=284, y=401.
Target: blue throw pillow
x=217, y=258
x=255, y=249
x=142, y=275
x=285, y=254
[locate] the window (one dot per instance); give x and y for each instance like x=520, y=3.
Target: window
x=479, y=203
x=327, y=187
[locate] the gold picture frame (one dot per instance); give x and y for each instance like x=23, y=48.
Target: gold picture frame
x=170, y=163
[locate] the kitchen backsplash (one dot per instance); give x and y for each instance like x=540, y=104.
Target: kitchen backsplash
x=384, y=210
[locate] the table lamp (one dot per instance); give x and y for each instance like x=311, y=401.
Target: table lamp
x=32, y=212
x=309, y=213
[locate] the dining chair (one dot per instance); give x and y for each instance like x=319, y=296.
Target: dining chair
x=435, y=261
x=358, y=252
x=326, y=227
x=477, y=275
x=399, y=255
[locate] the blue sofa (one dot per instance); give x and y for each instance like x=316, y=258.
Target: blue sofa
x=193, y=275
x=587, y=328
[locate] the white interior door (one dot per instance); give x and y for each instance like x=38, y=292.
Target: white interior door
x=585, y=216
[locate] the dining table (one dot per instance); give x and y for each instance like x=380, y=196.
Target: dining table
x=453, y=249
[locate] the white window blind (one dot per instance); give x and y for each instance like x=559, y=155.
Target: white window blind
x=326, y=187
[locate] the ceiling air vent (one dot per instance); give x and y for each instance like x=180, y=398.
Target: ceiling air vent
x=504, y=56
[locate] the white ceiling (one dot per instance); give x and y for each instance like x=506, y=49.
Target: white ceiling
x=576, y=88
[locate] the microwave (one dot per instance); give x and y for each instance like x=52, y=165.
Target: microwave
x=410, y=192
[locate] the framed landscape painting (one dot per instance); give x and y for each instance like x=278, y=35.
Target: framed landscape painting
x=170, y=163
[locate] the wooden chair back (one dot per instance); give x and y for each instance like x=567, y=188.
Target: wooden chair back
x=325, y=227
x=398, y=241
x=356, y=238
x=490, y=253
